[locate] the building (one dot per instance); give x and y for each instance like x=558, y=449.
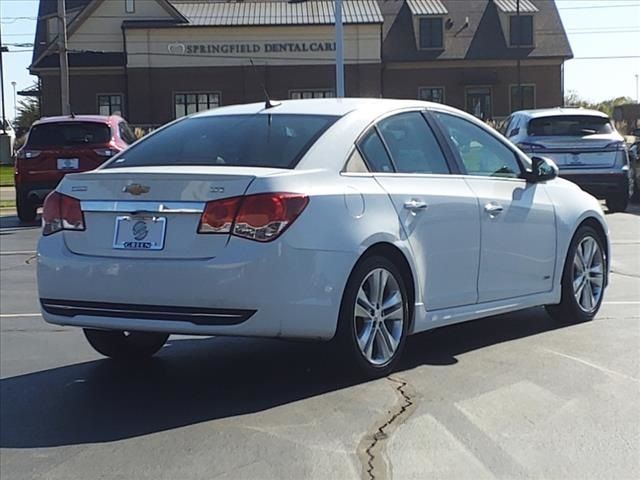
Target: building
x=155, y=60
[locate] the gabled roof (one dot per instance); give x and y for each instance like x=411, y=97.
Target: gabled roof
x=314, y=12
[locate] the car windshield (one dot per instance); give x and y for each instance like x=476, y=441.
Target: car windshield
x=569, y=126
x=70, y=133
x=263, y=140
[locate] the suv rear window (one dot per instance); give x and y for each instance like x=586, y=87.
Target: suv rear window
x=71, y=133
x=569, y=126
x=262, y=140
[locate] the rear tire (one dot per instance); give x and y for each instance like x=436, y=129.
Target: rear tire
x=618, y=202
x=27, y=210
x=373, y=322
x=121, y=345
x=583, y=279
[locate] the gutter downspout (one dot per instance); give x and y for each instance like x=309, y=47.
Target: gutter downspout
x=126, y=73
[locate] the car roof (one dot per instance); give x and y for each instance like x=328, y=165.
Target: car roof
x=80, y=118
x=561, y=111
x=320, y=106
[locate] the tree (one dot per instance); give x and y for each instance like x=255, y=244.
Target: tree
x=572, y=99
x=28, y=112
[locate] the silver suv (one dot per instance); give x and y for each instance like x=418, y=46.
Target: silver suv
x=584, y=144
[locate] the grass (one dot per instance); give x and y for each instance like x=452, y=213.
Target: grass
x=7, y=204
x=6, y=176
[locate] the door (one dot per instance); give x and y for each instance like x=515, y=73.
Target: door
x=479, y=102
x=438, y=211
x=517, y=218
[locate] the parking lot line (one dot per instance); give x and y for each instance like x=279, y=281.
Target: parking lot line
x=593, y=365
x=631, y=302
x=18, y=315
x=19, y=252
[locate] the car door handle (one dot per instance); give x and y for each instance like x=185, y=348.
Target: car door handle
x=493, y=208
x=415, y=205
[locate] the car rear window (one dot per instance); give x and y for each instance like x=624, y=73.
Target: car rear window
x=262, y=140
x=569, y=126
x=71, y=133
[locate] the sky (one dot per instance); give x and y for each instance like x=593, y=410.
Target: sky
x=601, y=34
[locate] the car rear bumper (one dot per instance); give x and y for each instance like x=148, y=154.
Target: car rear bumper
x=600, y=185
x=36, y=192
x=266, y=290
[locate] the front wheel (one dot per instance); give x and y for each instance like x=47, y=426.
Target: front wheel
x=583, y=279
x=374, y=317
x=121, y=345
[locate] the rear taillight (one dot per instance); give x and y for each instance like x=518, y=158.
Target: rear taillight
x=106, y=152
x=261, y=217
x=28, y=154
x=617, y=146
x=61, y=212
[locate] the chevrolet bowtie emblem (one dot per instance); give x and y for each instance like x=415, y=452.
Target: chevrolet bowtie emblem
x=136, y=189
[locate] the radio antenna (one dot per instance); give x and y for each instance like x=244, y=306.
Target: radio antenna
x=268, y=103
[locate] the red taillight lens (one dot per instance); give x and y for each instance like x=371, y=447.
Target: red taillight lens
x=28, y=154
x=262, y=217
x=61, y=212
x=218, y=216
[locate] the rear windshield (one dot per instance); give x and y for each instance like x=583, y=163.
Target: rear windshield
x=569, y=126
x=264, y=140
x=72, y=133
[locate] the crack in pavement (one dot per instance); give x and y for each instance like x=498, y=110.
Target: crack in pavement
x=632, y=275
x=371, y=451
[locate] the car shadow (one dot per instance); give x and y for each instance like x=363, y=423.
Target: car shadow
x=198, y=380
x=11, y=223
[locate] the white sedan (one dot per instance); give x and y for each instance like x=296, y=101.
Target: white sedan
x=358, y=220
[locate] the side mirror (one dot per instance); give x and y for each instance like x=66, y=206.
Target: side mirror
x=543, y=169
x=514, y=132
x=636, y=132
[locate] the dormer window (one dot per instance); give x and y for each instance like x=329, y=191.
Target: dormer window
x=521, y=31
x=428, y=23
x=430, y=32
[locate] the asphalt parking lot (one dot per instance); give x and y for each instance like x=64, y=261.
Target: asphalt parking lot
x=511, y=397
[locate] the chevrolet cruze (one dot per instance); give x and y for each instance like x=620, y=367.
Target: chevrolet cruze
x=356, y=220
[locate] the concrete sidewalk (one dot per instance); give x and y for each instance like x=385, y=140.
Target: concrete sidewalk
x=7, y=193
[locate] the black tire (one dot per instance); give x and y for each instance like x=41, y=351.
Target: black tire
x=635, y=198
x=568, y=310
x=121, y=345
x=27, y=210
x=618, y=202
x=346, y=331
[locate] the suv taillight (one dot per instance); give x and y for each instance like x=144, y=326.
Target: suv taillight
x=617, y=146
x=61, y=212
x=28, y=154
x=261, y=217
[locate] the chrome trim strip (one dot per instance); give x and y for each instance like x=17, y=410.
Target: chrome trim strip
x=142, y=206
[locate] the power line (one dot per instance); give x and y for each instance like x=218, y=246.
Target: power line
x=589, y=7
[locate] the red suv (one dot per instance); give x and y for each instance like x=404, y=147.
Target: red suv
x=59, y=145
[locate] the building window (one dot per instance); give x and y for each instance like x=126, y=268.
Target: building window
x=431, y=32
x=478, y=100
x=522, y=36
x=431, y=94
x=321, y=93
x=528, y=97
x=188, y=103
x=130, y=6
x=110, y=105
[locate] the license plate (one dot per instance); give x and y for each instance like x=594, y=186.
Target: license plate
x=139, y=233
x=68, y=163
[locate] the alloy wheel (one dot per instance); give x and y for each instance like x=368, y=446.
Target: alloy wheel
x=588, y=274
x=379, y=316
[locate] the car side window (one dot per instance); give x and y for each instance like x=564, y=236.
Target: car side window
x=126, y=133
x=375, y=153
x=481, y=153
x=356, y=164
x=412, y=144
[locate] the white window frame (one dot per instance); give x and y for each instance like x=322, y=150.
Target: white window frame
x=175, y=94
x=298, y=93
x=474, y=87
x=439, y=87
x=129, y=6
x=114, y=94
x=535, y=93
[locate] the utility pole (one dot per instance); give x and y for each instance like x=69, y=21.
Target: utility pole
x=4, y=110
x=64, y=59
x=339, y=51
x=637, y=97
x=520, y=99
x=15, y=104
